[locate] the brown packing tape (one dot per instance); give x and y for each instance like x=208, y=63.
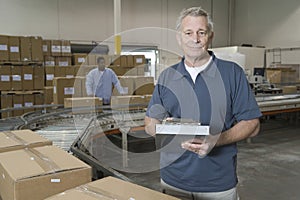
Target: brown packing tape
x=98, y=192
x=44, y=162
x=13, y=136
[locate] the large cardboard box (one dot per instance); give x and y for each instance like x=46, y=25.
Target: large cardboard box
x=18, y=103
x=63, y=61
x=39, y=99
x=44, y=171
x=14, y=48
x=79, y=58
x=25, y=49
x=4, y=53
x=88, y=103
x=6, y=102
x=138, y=60
x=49, y=61
x=16, y=73
x=69, y=71
x=48, y=95
x=59, y=71
x=129, y=102
x=20, y=139
x=28, y=102
x=5, y=78
x=143, y=85
x=66, y=48
x=46, y=47
x=55, y=48
x=49, y=75
x=65, y=88
x=36, y=48
x=111, y=188
x=38, y=77
x=126, y=82
x=27, y=77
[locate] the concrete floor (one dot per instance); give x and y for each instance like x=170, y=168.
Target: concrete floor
x=269, y=167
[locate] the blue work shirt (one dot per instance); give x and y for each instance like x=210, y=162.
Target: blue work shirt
x=220, y=97
x=100, y=84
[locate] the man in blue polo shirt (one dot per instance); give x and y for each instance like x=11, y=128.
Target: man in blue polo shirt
x=213, y=92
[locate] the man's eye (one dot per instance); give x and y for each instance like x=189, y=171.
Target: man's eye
x=187, y=33
x=202, y=33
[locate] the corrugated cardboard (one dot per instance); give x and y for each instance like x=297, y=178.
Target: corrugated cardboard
x=48, y=94
x=126, y=102
x=63, y=88
x=25, y=49
x=139, y=60
x=6, y=102
x=38, y=77
x=63, y=61
x=49, y=75
x=5, y=78
x=66, y=48
x=39, y=100
x=37, y=173
x=55, y=48
x=79, y=58
x=4, y=53
x=112, y=188
x=18, y=103
x=20, y=139
x=49, y=61
x=36, y=48
x=28, y=102
x=16, y=73
x=14, y=48
x=84, y=102
x=46, y=47
x=59, y=71
x=143, y=85
x=126, y=82
x=27, y=77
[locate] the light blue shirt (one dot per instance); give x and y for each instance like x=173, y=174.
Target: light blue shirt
x=100, y=84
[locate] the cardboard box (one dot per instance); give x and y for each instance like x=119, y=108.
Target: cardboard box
x=90, y=103
x=124, y=102
x=16, y=75
x=111, y=188
x=130, y=59
x=17, y=103
x=38, y=100
x=63, y=61
x=27, y=77
x=66, y=48
x=46, y=47
x=4, y=53
x=49, y=75
x=291, y=89
x=48, y=95
x=6, y=102
x=143, y=85
x=20, y=139
x=138, y=60
x=14, y=48
x=55, y=48
x=126, y=82
x=28, y=102
x=45, y=171
x=65, y=88
x=5, y=78
x=49, y=61
x=79, y=58
x=59, y=71
x=91, y=58
x=69, y=71
x=38, y=77
x=25, y=48
x=37, y=48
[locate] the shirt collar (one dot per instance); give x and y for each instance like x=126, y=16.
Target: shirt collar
x=210, y=70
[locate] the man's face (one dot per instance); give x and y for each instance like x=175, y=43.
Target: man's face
x=101, y=65
x=193, y=37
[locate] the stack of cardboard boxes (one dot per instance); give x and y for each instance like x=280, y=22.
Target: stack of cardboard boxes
x=32, y=168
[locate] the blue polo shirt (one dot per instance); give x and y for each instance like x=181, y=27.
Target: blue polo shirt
x=220, y=97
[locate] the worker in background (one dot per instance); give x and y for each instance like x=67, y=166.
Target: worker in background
x=213, y=92
x=100, y=82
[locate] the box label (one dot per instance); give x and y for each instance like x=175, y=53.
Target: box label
x=28, y=77
x=63, y=63
x=5, y=78
x=49, y=63
x=3, y=47
x=69, y=90
x=45, y=48
x=17, y=105
x=16, y=77
x=81, y=60
x=49, y=77
x=55, y=180
x=66, y=49
x=28, y=104
x=56, y=49
x=14, y=49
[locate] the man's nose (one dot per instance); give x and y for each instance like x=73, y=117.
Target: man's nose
x=196, y=38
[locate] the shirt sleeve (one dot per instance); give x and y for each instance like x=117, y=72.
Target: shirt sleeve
x=244, y=103
x=89, y=83
x=117, y=83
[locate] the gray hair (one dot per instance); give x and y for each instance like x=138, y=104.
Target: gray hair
x=195, y=12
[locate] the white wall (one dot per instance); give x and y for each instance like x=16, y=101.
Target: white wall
x=93, y=19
